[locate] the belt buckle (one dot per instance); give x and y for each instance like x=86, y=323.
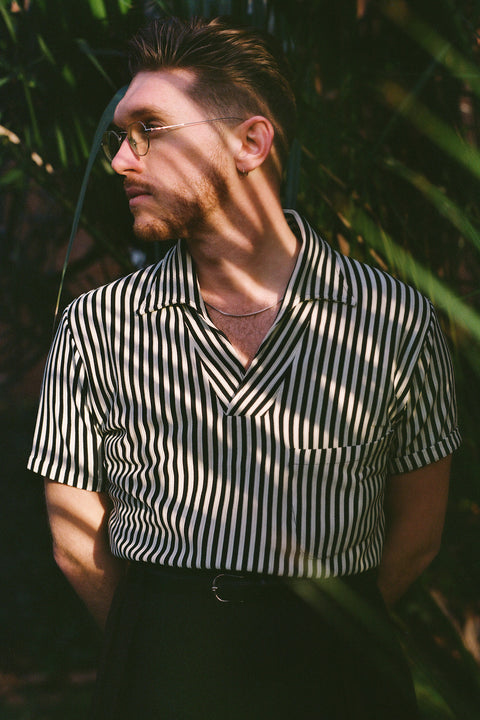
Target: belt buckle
x=216, y=589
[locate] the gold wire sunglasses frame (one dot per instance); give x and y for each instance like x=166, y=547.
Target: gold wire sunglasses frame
x=138, y=136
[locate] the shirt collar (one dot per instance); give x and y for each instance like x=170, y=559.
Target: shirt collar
x=173, y=283
x=318, y=274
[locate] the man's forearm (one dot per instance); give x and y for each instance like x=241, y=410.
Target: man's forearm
x=399, y=569
x=94, y=581
x=415, y=505
x=78, y=520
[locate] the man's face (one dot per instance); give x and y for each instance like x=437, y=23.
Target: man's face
x=179, y=186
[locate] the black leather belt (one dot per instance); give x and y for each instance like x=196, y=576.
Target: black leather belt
x=229, y=588
x=233, y=587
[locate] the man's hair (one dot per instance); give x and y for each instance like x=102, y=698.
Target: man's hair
x=239, y=71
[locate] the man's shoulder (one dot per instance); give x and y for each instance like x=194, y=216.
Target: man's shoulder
x=125, y=293
x=366, y=286
x=371, y=285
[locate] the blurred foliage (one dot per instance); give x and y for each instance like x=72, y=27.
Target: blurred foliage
x=386, y=164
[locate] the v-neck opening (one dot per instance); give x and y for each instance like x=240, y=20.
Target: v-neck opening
x=251, y=390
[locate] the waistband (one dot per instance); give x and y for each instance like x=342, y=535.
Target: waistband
x=241, y=587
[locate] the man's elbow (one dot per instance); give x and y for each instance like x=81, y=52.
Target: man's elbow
x=66, y=561
x=427, y=554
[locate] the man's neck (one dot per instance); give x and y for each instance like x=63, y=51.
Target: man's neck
x=245, y=263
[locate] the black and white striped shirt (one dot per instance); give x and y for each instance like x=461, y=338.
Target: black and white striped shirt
x=278, y=469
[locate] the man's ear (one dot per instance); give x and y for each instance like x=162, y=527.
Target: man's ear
x=256, y=137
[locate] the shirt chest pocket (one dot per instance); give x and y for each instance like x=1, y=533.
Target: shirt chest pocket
x=360, y=460
x=337, y=496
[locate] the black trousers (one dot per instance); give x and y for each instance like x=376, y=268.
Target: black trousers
x=308, y=650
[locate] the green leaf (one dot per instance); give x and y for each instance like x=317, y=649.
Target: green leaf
x=68, y=76
x=61, y=146
x=81, y=136
x=124, y=6
x=440, y=48
x=8, y=21
x=46, y=51
x=12, y=177
x=402, y=261
x=31, y=111
x=98, y=9
x=437, y=131
x=105, y=121
x=87, y=50
x=439, y=200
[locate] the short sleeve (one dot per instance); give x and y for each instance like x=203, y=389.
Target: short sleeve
x=67, y=444
x=428, y=429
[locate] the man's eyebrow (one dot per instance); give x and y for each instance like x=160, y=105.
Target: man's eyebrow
x=147, y=112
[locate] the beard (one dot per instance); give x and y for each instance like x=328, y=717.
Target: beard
x=182, y=214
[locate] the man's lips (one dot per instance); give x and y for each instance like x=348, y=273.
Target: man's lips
x=134, y=191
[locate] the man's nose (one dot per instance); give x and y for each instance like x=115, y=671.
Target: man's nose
x=125, y=159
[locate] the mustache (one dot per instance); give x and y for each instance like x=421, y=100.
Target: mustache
x=133, y=188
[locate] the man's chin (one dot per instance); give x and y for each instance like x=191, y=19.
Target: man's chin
x=153, y=232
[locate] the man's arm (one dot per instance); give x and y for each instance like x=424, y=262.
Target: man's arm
x=415, y=505
x=78, y=520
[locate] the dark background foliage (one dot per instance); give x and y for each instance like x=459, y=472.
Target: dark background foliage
x=387, y=166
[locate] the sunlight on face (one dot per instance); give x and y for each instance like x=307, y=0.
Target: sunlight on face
x=178, y=187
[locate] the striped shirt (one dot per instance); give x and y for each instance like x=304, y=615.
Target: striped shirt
x=277, y=469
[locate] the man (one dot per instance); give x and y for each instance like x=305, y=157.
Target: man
x=264, y=425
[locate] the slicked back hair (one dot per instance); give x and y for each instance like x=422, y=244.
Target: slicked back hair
x=240, y=72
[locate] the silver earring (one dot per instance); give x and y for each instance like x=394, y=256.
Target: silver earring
x=243, y=173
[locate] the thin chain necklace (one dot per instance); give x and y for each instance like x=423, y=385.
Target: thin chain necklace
x=244, y=315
